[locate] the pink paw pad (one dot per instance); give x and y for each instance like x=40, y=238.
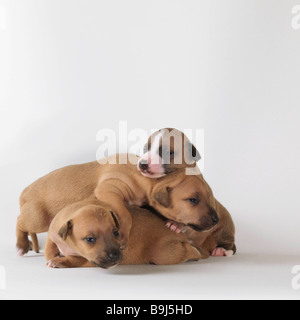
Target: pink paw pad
x=173, y=226
x=20, y=253
x=221, y=252
x=51, y=264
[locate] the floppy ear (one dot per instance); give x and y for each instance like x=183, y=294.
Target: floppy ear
x=65, y=230
x=162, y=196
x=192, y=153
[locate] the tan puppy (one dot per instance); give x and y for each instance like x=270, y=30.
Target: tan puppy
x=218, y=241
x=167, y=151
x=214, y=234
x=86, y=234
x=185, y=199
x=84, y=230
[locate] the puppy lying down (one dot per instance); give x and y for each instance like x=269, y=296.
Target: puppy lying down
x=86, y=234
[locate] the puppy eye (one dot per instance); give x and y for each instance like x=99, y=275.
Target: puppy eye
x=146, y=149
x=168, y=153
x=90, y=240
x=116, y=233
x=171, y=153
x=194, y=201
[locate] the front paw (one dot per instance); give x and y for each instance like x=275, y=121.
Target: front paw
x=173, y=226
x=57, y=263
x=221, y=252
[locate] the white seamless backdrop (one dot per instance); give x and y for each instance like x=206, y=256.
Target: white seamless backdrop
x=70, y=68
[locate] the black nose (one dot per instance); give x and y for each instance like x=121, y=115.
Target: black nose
x=144, y=165
x=114, y=255
x=214, y=217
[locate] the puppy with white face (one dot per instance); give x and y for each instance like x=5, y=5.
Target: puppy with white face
x=167, y=151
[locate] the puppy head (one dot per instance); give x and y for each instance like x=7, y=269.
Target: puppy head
x=94, y=234
x=167, y=150
x=191, y=203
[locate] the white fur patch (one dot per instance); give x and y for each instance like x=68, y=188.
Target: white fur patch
x=229, y=253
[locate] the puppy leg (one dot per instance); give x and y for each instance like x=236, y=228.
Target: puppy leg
x=174, y=252
x=225, y=237
x=23, y=244
x=51, y=250
x=35, y=242
x=55, y=260
x=32, y=220
x=219, y=245
x=69, y=262
x=222, y=242
x=191, y=253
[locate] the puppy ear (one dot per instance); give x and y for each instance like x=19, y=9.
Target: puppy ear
x=192, y=154
x=65, y=230
x=162, y=196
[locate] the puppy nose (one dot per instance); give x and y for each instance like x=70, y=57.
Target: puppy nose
x=144, y=165
x=114, y=255
x=214, y=217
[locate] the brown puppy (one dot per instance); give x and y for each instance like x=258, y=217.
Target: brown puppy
x=167, y=151
x=184, y=201
x=85, y=234
x=214, y=233
x=84, y=230
x=115, y=185
x=220, y=240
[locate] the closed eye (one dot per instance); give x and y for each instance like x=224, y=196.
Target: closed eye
x=166, y=153
x=171, y=154
x=115, y=220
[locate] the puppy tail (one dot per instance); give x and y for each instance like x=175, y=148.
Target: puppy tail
x=35, y=242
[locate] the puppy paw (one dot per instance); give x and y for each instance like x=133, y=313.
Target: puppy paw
x=57, y=263
x=173, y=226
x=21, y=252
x=221, y=252
x=229, y=253
x=23, y=249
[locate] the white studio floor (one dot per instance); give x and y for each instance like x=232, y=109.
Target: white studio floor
x=245, y=276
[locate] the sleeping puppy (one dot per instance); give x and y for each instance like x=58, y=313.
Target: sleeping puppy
x=86, y=234
x=166, y=151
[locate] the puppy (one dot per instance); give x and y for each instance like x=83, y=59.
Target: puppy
x=166, y=151
x=218, y=241
x=86, y=234
x=214, y=232
x=178, y=197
